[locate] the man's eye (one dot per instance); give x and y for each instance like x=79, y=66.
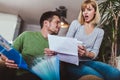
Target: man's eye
x=58, y=22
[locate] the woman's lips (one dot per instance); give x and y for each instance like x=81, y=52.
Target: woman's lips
x=86, y=17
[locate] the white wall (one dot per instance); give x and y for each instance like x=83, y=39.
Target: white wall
x=9, y=26
x=31, y=27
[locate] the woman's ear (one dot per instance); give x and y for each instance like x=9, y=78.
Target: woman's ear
x=95, y=13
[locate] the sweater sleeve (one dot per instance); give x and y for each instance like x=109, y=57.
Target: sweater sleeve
x=72, y=28
x=97, y=43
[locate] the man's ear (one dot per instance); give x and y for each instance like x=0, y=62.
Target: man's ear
x=46, y=23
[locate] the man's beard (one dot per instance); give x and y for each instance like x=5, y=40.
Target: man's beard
x=54, y=32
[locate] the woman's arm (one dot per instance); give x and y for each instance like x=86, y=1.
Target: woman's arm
x=95, y=50
x=82, y=51
x=97, y=43
x=72, y=28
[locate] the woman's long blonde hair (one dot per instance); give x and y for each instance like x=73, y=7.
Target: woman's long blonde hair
x=96, y=19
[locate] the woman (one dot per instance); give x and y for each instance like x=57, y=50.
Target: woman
x=86, y=30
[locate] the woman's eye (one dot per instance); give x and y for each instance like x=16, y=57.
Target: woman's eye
x=89, y=9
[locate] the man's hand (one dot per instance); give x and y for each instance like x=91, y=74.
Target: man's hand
x=8, y=63
x=49, y=52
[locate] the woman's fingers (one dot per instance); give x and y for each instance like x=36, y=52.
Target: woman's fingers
x=81, y=50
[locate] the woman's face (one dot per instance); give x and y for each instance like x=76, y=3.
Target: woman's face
x=88, y=13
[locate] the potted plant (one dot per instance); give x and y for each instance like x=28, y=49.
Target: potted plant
x=110, y=21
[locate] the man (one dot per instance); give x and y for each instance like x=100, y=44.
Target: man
x=32, y=44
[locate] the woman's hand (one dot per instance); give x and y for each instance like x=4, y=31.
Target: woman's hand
x=49, y=52
x=9, y=63
x=82, y=51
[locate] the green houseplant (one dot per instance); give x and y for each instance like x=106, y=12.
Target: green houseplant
x=110, y=21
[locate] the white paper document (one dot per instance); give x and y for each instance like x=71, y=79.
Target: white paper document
x=67, y=48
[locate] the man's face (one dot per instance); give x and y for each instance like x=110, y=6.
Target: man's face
x=54, y=25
